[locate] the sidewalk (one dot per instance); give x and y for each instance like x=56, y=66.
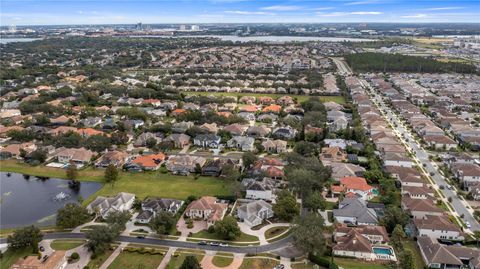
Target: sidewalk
x=114, y=255
x=167, y=258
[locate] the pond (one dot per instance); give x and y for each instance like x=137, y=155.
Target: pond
x=27, y=200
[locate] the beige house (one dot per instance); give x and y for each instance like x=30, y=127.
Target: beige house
x=206, y=208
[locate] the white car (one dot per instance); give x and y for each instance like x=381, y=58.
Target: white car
x=468, y=224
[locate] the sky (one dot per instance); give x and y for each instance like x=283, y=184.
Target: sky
x=61, y=12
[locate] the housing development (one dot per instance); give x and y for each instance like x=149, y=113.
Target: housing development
x=146, y=146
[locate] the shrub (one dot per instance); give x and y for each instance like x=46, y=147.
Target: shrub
x=75, y=256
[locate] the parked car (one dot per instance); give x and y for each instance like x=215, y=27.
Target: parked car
x=214, y=244
x=468, y=224
x=41, y=248
x=141, y=237
x=280, y=266
x=202, y=243
x=223, y=245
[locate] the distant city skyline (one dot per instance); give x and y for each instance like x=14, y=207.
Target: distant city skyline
x=61, y=12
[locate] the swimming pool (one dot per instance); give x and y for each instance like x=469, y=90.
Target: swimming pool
x=384, y=251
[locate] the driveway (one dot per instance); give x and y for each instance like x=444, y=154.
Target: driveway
x=84, y=257
x=130, y=226
x=207, y=263
x=261, y=232
x=198, y=225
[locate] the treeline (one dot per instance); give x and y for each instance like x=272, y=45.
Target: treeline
x=381, y=62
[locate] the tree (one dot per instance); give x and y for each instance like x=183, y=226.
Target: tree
x=25, y=237
x=151, y=142
x=111, y=174
x=394, y=215
x=99, y=238
x=308, y=233
x=305, y=148
x=118, y=219
x=190, y=262
x=230, y=172
x=72, y=215
x=286, y=207
x=315, y=201
x=38, y=155
x=72, y=172
x=249, y=158
x=163, y=222
x=398, y=235
x=304, y=181
x=98, y=143
x=406, y=260
x=476, y=235
x=227, y=228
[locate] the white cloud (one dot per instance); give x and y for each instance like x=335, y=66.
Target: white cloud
x=445, y=8
x=282, y=8
x=240, y=12
x=322, y=8
x=366, y=13
x=415, y=16
x=360, y=3
x=340, y=14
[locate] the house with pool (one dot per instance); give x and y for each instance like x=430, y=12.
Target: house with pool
x=368, y=242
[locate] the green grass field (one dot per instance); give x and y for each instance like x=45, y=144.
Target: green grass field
x=411, y=245
x=213, y=236
x=299, y=98
x=66, y=244
x=177, y=260
x=11, y=256
x=133, y=260
x=141, y=184
x=221, y=261
x=99, y=260
x=275, y=231
x=258, y=263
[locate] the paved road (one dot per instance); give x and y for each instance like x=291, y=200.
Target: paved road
x=421, y=155
x=459, y=205
x=284, y=242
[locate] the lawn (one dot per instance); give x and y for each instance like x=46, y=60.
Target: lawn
x=177, y=260
x=358, y=264
x=275, y=231
x=221, y=261
x=99, y=260
x=258, y=263
x=141, y=184
x=11, y=256
x=411, y=245
x=213, y=236
x=302, y=265
x=66, y=244
x=131, y=260
x=300, y=98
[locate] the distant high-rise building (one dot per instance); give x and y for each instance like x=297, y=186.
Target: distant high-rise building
x=12, y=28
x=182, y=27
x=195, y=28
x=139, y=26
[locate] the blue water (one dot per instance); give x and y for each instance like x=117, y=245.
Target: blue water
x=29, y=200
x=384, y=251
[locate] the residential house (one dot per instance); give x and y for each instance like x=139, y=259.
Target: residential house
x=341, y=170
x=206, y=208
x=274, y=146
x=178, y=140
x=332, y=154
x=236, y=129
x=115, y=158
x=354, y=244
x=468, y=174
x=142, y=139
x=207, y=140
x=254, y=213
x=440, y=142
x=397, y=159
x=416, y=192
x=242, y=143
x=354, y=187
x=182, y=127
x=438, y=227
x=436, y=255
x=420, y=208
x=150, y=162
x=214, y=167
x=80, y=156
x=258, y=131
x=106, y=205
x=209, y=127
x=184, y=164
x=259, y=190
x=56, y=260
x=152, y=206
x=355, y=211
x=285, y=132
x=14, y=150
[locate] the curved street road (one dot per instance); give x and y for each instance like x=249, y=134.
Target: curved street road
x=282, y=243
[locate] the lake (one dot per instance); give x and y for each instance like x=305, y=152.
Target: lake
x=268, y=39
x=10, y=40
x=27, y=200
